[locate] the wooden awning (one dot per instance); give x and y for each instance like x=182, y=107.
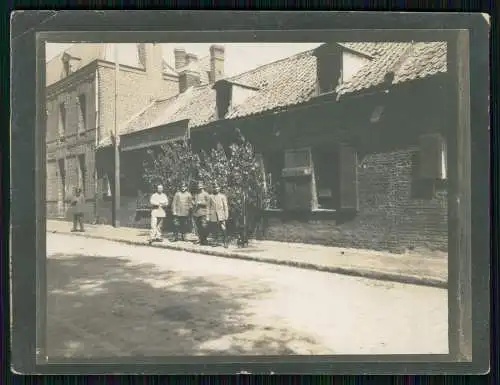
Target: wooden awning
x=155, y=136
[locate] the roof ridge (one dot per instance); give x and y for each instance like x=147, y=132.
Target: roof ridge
x=125, y=124
x=345, y=45
x=303, y=53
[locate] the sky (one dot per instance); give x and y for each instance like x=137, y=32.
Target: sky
x=239, y=57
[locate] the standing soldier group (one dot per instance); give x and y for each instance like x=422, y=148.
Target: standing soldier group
x=209, y=212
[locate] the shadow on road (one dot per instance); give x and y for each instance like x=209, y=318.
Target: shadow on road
x=101, y=306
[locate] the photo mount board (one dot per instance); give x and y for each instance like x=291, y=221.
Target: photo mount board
x=467, y=36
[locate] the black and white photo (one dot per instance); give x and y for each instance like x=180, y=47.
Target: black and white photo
x=247, y=198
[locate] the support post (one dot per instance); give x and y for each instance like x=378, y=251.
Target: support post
x=459, y=200
x=116, y=143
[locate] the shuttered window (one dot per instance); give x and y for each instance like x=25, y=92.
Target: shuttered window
x=82, y=113
x=106, y=186
x=52, y=181
x=82, y=174
x=61, y=124
x=322, y=178
x=297, y=174
x=432, y=162
x=420, y=188
x=61, y=186
x=326, y=177
x=348, y=178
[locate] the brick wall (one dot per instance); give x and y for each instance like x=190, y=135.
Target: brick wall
x=136, y=89
x=388, y=218
x=76, y=142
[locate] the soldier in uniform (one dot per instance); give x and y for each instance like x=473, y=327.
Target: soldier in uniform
x=219, y=213
x=181, y=210
x=78, y=208
x=159, y=202
x=200, y=213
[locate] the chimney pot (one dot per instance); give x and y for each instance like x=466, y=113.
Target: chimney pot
x=216, y=62
x=188, y=79
x=180, y=57
x=191, y=58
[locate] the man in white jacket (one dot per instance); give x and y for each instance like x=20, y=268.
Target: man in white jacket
x=159, y=203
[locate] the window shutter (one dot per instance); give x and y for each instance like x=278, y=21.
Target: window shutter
x=348, y=178
x=432, y=157
x=52, y=176
x=297, y=177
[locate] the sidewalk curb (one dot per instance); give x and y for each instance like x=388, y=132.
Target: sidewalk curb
x=356, y=272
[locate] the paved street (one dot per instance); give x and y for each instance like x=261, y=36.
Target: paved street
x=109, y=299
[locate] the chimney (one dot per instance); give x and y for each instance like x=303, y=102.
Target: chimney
x=153, y=61
x=216, y=62
x=141, y=51
x=188, y=79
x=191, y=58
x=180, y=58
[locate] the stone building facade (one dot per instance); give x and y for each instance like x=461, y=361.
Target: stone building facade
x=352, y=137
x=80, y=99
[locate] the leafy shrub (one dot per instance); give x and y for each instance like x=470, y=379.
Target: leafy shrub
x=234, y=169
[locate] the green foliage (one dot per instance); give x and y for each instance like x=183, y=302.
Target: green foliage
x=234, y=170
x=171, y=165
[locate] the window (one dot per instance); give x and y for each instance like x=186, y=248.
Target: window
x=106, y=186
x=61, y=187
x=299, y=189
x=62, y=120
x=429, y=166
x=336, y=178
x=433, y=156
x=82, y=172
x=273, y=167
x=326, y=177
x=82, y=113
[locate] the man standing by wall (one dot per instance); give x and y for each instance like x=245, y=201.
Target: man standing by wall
x=219, y=213
x=159, y=202
x=78, y=208
x=181, y=209
x=200, y=213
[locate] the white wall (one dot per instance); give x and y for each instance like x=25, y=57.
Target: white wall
x=351, y=63
x=240, y=94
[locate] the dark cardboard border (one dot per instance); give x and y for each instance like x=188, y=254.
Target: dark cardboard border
x=28, y=153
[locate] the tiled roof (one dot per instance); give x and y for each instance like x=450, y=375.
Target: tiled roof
x=408, y=61
x=366, y=48
x=292, y=81
x=196, y=104
x=282, y=83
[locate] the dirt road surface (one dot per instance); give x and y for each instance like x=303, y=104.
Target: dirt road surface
x=111, y=299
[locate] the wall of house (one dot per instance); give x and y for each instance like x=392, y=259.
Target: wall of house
x=390, y=216
x=351, y=64
x=74, y=143
x=131, y=186
x=136, y=89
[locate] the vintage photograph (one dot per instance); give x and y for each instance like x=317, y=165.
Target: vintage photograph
x=247, y=199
